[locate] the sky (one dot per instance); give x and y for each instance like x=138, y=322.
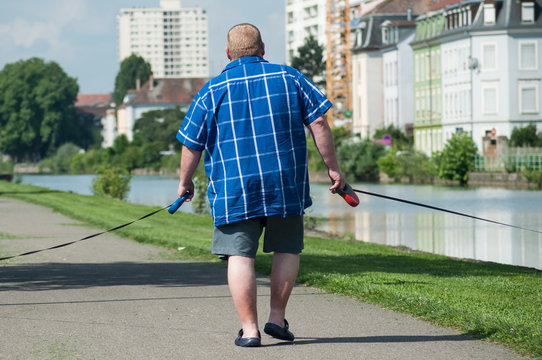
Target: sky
x=81, y=35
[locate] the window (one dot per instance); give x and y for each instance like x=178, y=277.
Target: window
x=527, y=12
x=489, y=14
x=385, y=38
x=527, y=55
x=528, y=97
x=489, y=99
x=489, y=57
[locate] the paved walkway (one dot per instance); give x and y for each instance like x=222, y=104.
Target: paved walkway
x=112, y=298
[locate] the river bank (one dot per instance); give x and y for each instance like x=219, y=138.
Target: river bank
x=474, y=297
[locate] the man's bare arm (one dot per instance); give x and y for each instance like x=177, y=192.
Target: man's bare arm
x=189, y=162
x=323, y=138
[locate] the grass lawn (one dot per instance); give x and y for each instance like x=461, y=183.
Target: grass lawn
x=499, y=303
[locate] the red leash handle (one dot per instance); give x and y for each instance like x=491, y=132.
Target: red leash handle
x=349, y=195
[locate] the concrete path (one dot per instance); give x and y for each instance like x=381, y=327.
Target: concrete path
x=112, y=298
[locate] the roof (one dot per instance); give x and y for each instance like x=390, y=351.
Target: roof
x=398, y=7
x=439, y=4
x=440, y=22
x=93, y=100
x=392, y=13
x=167, y=91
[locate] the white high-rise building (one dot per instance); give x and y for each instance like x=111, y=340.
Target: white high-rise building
x=174, y=40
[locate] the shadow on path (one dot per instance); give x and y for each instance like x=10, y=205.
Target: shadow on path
x=53, y=276
x=376, y=339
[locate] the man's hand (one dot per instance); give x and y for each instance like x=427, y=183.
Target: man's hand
x=184, y=187
x=338, y=180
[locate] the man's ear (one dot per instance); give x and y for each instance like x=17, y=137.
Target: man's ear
x=228, y=52
x=263, y=49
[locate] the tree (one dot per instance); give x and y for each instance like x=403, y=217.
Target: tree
x=456, y=160
x=310, y=60
x=36, y=108
x=359, y=160
x=132, y=68
x=398, y=138
x=525, y=136
x=159, y=126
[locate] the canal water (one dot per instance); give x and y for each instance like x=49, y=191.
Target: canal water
x=391, y=223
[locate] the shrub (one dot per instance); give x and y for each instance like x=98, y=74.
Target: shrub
x=358, y=160
x=525, y=137
x=112, y=182
x=414, y=165
x=456, y=160
x=199, y=202
x=533, y=176
x=6, y=167
x=61, y=161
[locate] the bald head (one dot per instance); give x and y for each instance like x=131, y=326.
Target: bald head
x=244, y=40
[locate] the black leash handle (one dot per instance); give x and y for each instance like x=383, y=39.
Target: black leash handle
x=173, y=207
x=445, y=210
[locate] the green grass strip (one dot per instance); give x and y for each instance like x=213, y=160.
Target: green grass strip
x=495, y=302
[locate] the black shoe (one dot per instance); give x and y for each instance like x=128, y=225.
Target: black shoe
x=248, y=342
x=278, y=332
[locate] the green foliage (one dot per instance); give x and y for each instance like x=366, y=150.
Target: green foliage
x=456, y=160
x=132, y=68
x=340, y=135
x=36, y=108
x=6, y=167
x=358, y=160
x=533, y=176
x=61, y=162
x=414, y=165
x=112, y=182
x=199, y=202
x=525, y=137
x=310, y=59
x=399, y=139
x=159, y=126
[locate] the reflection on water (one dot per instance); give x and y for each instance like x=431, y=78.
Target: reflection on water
x=391, y=223
x=388, y=222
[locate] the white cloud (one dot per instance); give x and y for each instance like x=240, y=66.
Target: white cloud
x=26, y=34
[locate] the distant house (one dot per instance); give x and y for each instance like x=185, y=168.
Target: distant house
x=97, y=108
x=155, y=94
x=477, y=70
x=382, y=65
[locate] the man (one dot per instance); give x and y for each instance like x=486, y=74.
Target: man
x=250, y=121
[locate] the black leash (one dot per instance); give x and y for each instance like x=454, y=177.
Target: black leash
x=445, y=210
x=87, y=237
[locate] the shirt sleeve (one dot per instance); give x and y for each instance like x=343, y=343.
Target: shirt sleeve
x=193, y=130
x=315, y=103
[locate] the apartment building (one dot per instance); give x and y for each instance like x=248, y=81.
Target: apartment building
x=477, y=70
x=174, y=40
x=382, y=75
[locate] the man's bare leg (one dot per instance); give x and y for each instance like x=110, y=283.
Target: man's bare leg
x=283, y=276
x=242, y=284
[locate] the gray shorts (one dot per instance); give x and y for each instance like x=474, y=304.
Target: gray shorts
x=284, y=235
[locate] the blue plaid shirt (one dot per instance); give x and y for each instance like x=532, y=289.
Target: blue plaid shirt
x=250, y=122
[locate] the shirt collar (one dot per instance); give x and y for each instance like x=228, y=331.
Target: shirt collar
x=242, y=61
